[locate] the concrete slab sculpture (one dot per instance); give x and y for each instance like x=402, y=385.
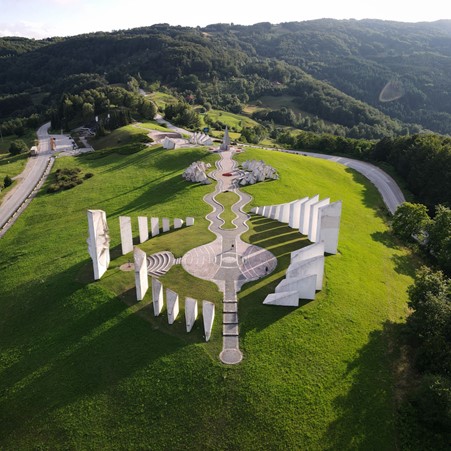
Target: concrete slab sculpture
x=155, y=226
x=169, y=143
x=309, y=267
x=314, y=250
x=272, y=211
x=286, y=298
x=200, y=139
x=189, y=221
x=190, y=313
x=172, y=305
x=178, y=223
x=166, y=225
x=197, y=173
x=305, y=286
x=98, y=242
x=208, y=314
x=225, y=145
x=125, y=224
x=329, y=226
x=157, y=296
x=265, y=211
x=304, y=221
x=277, y=213
x=313, y=236
x=286, y=213
x=143, y=225
x=257, y=171
x=295, y=212
x=141, y=277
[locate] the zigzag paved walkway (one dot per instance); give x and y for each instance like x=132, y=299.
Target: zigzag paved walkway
x=228, y=260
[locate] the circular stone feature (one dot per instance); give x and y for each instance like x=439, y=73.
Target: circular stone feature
x=229, y=259
x=127, y=267
x=231, y=356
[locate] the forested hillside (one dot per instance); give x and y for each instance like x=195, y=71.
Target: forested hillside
x=333, y=72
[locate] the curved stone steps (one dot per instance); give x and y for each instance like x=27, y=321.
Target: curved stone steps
x=160, y=263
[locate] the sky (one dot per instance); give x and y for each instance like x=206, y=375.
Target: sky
x=46, y=18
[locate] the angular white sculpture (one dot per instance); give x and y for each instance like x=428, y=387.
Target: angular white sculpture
x=286, y=298
x=313, y=222
x=286, y=213
x=197, y=172
x=98, y=242
x=310, y=267
x=265, y=211
x=172, y=305
x=141, y=276
x=190, y=313
x=189, y=221
x=157, y=296
x=258, y=172
x=295, y=211
x=225, y=141
x=208, y=314
x=277, y=213
x=125, y=224
x=166, y=225
x=143, y=225
x=201, y=139
x=314, y=250
x=272, y=211
x=169, y=143
x=178, y=223
x=305, y=214
x=329, y=226
x=305, y=287
x=155, y=226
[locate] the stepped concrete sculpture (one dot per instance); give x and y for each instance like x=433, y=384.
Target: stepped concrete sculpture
x=172, y=305
x=169, y=144
x=157, y=296
x=286, y=298
x=208, y=314
x=190, y=313
x=155, y=226
x=314, y=250
x=313, y=236
x=258, y=172
x=125, y=224
x=189, y=221
x=200, y=139
x=225, y=141
x=141, y=278
x=305, y=287
x=98, y=242
x=197, y=173
x=305, y=214
x=166, y=225
x=178, y=223
x=329, y=226
x=143, y=225
x=309, y=267
x=295, y=212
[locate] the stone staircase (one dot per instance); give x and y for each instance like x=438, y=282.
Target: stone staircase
x=160, y=263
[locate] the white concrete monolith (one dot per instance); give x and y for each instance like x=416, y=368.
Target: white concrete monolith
x=190, y=313
x=98, y=242
x=166, y=225
x=157, y=296
x=172, y=305
x=305, y=287
x=304, y=217
x=294, y=215
x=141, y=276
x=314, y=250
x=272, y=211
x=313, y=222
x=310, y=267
x=189, y=221
x=208, y=314
x=125, y=224
x=286, y=298
x=155, y=226
x=143, y=225
x=329, y=226
x=178, y=223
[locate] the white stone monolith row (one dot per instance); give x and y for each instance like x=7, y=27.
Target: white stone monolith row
x=314, y=250
x=272, y=211
x=141, y=276
x=312, y=266
x=189, y=221
x=329, y=226
x=166, y=225
x=286, y=213
x=286, y=298
x=295, y=208
x=157, y=296
x=304, y=216
x=98, y=242
x=254, y=210
x=190, y=313
x=277, y=213
x=313, y=222
x=172, y=305
x=265, y=211
x=208, y=314
x=155, y=226
x=305, y=287
x=178, y=223
x=143, y=225
x=125, y=224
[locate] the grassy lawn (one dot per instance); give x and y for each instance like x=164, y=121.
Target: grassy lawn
x=82, y=365
x=227, y=199
x=125, y=135
x=237, y=121
x=162, y=99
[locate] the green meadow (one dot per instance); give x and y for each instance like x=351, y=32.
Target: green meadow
x=83, y=365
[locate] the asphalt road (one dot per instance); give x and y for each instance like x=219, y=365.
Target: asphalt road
x=27, y=180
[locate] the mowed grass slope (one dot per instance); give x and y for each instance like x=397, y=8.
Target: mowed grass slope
x=84, y=366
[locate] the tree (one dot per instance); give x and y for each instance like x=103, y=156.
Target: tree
x=147, y=108
x=410, y=219
x=18, y=146
x=440, y=237
x=7, y=181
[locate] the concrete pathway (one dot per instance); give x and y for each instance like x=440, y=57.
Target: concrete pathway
x=228, y=261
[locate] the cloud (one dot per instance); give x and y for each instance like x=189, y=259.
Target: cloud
x=27, y=29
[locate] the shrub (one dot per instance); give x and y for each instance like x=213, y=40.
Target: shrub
x=88, y=175
x=17, y=146
x=7, y=181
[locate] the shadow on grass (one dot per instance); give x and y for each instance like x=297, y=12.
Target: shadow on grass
x=366, y=413
x=386, y=238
